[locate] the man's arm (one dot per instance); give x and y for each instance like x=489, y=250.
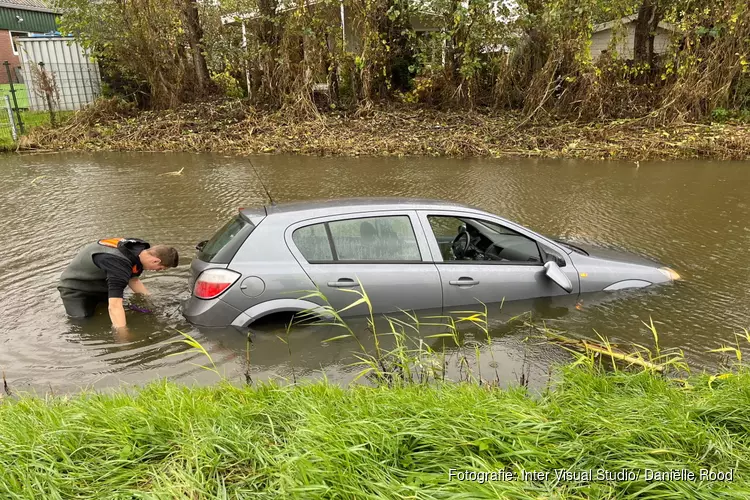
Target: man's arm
x=117, y=315
x=118, y=274
x=117, y=312
x=137, y=286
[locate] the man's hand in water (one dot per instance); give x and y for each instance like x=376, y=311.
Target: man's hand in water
x=140, y=309
x=139, y=289
x=122, y=334
x=137, y=286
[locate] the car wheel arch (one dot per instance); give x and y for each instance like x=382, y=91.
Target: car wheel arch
x=277, y=306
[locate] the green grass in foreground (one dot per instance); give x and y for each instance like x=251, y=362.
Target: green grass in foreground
x=322, y=441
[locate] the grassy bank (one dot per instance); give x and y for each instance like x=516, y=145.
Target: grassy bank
x=231, y=127
x=31, y=120
x=321, y=441
x=22, y=93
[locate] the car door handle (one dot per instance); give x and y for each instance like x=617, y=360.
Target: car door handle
x=343, y=283
x=464, y=281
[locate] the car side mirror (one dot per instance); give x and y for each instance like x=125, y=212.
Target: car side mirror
x=200, y=245
x=553, y=272
x=551, y=257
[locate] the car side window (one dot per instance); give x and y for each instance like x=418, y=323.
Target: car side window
x=313, y=243
x=388, y=238
x=489, y=241
x=445, y=230
x=365, y=239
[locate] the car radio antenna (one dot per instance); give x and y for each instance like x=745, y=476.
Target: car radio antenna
x=268, y=193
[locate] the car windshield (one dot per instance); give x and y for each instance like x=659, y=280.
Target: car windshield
x=488, y=227
x=222, y=238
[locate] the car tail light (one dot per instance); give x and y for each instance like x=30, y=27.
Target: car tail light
x=213, y=282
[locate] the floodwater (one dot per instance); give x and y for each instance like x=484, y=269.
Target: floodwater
x=692, y=216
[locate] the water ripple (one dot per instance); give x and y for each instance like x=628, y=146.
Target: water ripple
x=688, y=215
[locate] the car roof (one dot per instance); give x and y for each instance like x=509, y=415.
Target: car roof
x=343, y=205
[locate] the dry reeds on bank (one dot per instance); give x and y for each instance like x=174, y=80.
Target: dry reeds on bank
x=233, y=127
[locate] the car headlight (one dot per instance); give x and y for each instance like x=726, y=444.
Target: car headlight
x=669, y=273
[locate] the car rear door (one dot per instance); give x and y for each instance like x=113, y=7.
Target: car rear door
x=386, y=251
x=467, y=284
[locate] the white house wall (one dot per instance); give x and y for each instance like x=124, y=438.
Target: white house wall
x=600, y=41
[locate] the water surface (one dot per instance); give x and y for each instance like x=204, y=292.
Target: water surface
x=693, y=216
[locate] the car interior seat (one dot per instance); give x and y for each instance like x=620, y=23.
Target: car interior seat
x=368, y=234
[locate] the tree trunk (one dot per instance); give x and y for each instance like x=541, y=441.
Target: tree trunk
x=537, y=37
x=270, y=38
x=330, y=66
x=400, y=58
x=649, y=15
x=452, y=62
x=194, y=33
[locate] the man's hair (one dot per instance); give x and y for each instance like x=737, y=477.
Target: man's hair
x=167, y=255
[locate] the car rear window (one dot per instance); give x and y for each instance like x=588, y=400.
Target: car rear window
x=224, y=244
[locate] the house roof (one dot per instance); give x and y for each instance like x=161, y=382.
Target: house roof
x=34, y=5
x=628, y=20
x=285, y=6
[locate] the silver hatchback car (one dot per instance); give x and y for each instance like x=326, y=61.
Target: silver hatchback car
x=408, y=254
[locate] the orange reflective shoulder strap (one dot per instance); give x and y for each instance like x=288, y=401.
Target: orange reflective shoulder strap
x=110, y=242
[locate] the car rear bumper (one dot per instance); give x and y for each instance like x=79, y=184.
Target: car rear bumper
x=214, y=312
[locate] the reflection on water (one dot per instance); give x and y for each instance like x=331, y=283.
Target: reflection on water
x=691, y=216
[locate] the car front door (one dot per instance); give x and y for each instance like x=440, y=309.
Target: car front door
x=387, y=252
x=517, y=272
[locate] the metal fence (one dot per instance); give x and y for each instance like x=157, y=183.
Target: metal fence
x=14, y=104
x=9, y=126
x=54, y=77
x=43, y=93
x=75, y=74
x=59, y=87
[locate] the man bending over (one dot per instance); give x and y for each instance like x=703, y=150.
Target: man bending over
x=100, y=272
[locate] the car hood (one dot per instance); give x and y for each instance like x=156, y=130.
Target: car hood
x=599, y=252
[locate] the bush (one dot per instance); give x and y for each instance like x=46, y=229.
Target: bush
x=228, y=85
x=719, y=115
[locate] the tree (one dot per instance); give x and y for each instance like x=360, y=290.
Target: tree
x=650, y=13
x=194, y=31
x=151, y=51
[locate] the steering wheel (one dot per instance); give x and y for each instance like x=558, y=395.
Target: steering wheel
x=460, y=244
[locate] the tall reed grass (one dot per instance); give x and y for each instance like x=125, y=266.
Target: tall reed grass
x=411, y=433
x=323, y=441
x=411, y=358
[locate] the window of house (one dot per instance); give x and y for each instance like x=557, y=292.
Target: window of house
x=13, y=36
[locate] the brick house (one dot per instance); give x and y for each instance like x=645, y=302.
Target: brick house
x=21, y=18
